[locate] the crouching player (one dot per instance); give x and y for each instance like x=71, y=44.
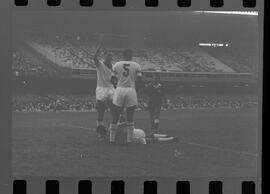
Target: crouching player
x=104, y=89
x=139, y=136
x=156, y=98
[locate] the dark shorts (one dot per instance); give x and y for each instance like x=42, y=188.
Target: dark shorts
x=154, y=104
x=154, y=109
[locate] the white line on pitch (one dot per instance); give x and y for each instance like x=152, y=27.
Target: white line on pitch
x=80, y=127
x=218, y=148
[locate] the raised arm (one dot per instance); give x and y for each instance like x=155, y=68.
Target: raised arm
x=96, y=55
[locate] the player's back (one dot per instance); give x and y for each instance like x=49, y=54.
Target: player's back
x=126, y=72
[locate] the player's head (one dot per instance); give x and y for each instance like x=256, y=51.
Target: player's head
x=108, y=60
x=127, y=54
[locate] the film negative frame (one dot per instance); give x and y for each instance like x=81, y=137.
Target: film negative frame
x=132, y=185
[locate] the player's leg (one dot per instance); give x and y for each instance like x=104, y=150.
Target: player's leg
x=156, y=113
x=167, y=139
x=110, y=94
x=122, y=117
x=110, y=104
x=152, y=118
x=116, y=109
x=151, y=110
x=130, y=122
x=161, y=139
x=131, y=103
x=101, y=107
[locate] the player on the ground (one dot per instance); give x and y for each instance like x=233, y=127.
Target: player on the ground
x=104, y=90
x=156, y=97
x=125, y=96
x=138, y=136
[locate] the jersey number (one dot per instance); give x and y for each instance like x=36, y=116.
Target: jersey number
x=126, y=68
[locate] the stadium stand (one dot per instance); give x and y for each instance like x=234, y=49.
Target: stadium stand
x=37, y=103
x=66, y=51
x=60, y=52
x=242, y=60
x=24, y=65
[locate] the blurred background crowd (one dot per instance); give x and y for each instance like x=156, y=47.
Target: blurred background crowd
x=33, y=103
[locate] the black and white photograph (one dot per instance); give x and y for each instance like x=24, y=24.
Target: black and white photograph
x=136, y=93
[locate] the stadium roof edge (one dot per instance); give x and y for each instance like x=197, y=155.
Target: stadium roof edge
x=248, y=13
x=181, y=72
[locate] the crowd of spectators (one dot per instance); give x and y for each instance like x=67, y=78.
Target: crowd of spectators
x=24, y=65
x=211, y=102
x=77, y=52
x=240, y=59
x=62, y=52
x=181, y=59
x=37, y=103
x=72, y=52
x=54, y=103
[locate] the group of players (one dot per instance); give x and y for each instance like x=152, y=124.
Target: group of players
x=116, y=90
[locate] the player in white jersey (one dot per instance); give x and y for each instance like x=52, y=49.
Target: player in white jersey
x=104, y=89
x=139, y=136
x=125, y=96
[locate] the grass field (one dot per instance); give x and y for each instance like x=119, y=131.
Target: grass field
x=213, y=142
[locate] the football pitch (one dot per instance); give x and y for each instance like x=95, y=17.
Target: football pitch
x=212, y=142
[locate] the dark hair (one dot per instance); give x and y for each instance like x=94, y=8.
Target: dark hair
x=127, y=54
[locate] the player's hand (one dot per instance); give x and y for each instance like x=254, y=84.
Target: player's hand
x=96, y=55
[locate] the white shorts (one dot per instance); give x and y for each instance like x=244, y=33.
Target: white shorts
x=104, y=93
x=125, y=97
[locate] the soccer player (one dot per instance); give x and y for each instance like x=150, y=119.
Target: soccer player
x=125, y=96
x=155, y=98
x=139, y=136
x=104, y=89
